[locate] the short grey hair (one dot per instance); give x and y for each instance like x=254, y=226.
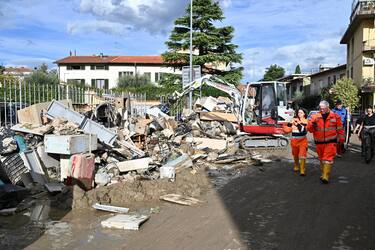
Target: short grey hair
x=324, y=103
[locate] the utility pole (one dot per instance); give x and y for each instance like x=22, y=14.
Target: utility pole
x=191, y=55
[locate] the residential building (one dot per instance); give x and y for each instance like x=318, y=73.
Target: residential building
x=104, y=71
x=360, y=40
x=296, y=83
x=325, y=78
x=20, y=72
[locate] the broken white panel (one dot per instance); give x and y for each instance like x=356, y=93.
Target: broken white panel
x=179, y=199
x=57, y=109
x=104, y=134
x=124, y=221
x=70, y=144
x=180, y=163
x=33, y=163
x=209, y=103
x=65, y=167
x=167, y=172
x=132, y=165
x=109, y=208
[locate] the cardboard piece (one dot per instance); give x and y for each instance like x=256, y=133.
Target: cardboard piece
x=124, y=221
x=217, y=116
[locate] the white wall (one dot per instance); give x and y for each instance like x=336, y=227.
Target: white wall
x=112, y=74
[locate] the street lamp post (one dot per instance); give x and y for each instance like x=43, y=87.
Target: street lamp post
x=191, y=54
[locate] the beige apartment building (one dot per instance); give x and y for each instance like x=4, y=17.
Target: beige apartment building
x=360, y=40
x=326, y=77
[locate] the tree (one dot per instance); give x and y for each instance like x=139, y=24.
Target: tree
x=133, y=81
x=346, y=91
x=2, y=68
x=212, y=46
x=41, y=76
x=298, y=70
x=273, y=73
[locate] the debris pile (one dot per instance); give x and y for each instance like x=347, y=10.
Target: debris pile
x=111, y=158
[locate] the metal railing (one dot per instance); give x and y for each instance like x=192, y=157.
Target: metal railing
x=362, y=7
x=16, y=94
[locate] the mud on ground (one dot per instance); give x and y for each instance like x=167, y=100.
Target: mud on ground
x=123, y=193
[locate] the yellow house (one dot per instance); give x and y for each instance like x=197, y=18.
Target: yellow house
x=360, y=40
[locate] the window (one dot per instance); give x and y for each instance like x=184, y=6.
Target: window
x=157, y=77
x=99, y=67
x=77, y=82
x=147, y=75
x=329, y=80
x=125, y=73
x=352, y=47
x=301, y=88
x=334, y=79
x=99, y=83
x=75, y=67
x=351, y=72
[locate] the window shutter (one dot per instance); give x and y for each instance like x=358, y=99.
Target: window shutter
x=106, y=67
x=93, y=83
x=83, y=67
x=92, y=67
x=106, y=83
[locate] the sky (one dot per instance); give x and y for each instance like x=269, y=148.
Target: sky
x=283, y=32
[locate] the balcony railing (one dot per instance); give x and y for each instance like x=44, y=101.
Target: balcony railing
x=362, y=7
x=368, y=45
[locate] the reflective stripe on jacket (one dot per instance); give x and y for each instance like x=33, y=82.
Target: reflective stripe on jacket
x=328, y=131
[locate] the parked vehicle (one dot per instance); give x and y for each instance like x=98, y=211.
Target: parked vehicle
x=312, y=112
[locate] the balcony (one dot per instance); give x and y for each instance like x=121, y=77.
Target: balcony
x=368, y=46
x=362, y=8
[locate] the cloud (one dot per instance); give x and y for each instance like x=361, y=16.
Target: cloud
x=309, y=55
x=119, y=16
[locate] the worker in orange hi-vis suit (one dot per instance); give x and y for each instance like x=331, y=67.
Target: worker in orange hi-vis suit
x=327, y=130
x=299, y=143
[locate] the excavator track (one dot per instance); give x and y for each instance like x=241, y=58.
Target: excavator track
x=267, y=143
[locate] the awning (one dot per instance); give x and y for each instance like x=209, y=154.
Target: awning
x=368, y=88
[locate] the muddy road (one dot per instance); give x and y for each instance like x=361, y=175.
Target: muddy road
x=263, y=207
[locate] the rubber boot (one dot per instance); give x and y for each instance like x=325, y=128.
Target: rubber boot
x=302, y=167
x=326, y=173
x=321, y=171
x=296, y=164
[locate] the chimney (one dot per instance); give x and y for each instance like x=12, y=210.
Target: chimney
x=75, y=53
x=101, y=55
x=70, y=53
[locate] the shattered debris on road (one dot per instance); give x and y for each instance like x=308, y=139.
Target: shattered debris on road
x=89, y=161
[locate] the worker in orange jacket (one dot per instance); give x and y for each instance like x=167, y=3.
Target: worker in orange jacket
x=299, y=143
x=327, y=130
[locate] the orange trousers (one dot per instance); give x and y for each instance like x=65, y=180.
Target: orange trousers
x=326, y=152
x=299, y=147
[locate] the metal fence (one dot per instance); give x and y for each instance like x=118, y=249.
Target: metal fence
x=17, y=94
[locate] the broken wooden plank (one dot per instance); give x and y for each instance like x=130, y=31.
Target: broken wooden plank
x=217, y=116
x=132, y=147
x=123, y=221
x=132, y=165
x=31, y=129
x=109, y=208
x=181, y=200
x=203, y=143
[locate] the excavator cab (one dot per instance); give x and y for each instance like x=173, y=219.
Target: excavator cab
x=265, y=105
